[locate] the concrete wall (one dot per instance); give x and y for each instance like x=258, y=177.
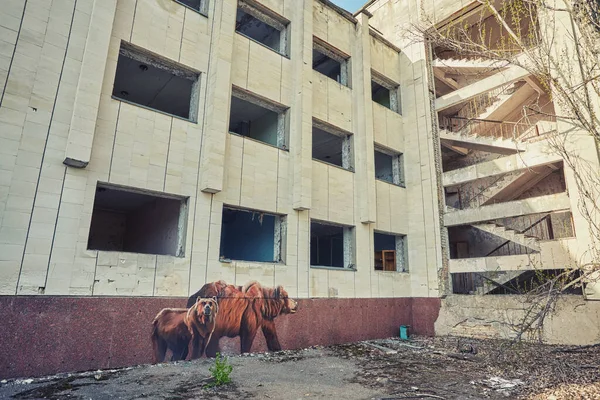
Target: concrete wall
x=575, y=320
x=52, y=109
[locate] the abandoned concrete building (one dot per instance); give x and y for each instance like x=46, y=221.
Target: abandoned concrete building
x=150, y=147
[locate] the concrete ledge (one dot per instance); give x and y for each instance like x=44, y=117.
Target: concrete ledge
x=575, y=321
x=534, y=205
x=50, y=334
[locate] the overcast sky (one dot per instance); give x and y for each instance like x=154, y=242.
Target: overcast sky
x=350, y=5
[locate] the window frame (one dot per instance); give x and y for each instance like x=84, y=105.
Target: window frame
x=347, y=145
x=202, y=10
x=394, y=89
x=398, y=173
x=142, y=55
x=335, y=54
x=182, y=222
x=349, y=246
x=283, y=127
x=279, y=236
x=271, y=18
x=401, y=247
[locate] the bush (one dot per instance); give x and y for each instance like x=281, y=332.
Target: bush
x=221, y=371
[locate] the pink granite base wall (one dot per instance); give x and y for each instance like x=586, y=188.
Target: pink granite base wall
x=49, y=334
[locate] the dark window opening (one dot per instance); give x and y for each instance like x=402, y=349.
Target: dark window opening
x=385, y=92
x=331, y=245
x=332, y=148
x=155, y=83
x=327, y=66
x=137, y=222
x=389, y=168
x=250, y=236
x=512, y=282
x=261, y=27
x=390, y=252
x=380, y=94
x=198, y=5
x=329, y=63
x=257, y=122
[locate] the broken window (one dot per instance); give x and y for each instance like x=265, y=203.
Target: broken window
x=385, y=92
x=331, y=245
x=198, y=5
x=257, y=118
x=262, y=25
x=150, y=81
x=330, y=62
x=138, y=221
x=389, y=166
x=390, y=252
x=331, y=145
x=248, y=235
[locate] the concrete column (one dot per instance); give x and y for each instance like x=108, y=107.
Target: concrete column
x=218, y=96
x=362, y=122
x=301, y=110
x=89, y=87
x=556, y=28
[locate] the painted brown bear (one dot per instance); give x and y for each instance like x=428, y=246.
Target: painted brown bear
x=174, y=329
x=243, y=310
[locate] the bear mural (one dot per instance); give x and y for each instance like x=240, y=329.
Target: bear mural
x=240, y=311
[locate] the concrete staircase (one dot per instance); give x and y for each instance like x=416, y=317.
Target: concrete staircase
x=489, y=144
x=509, y=234
x=501, y=277
x=468, y=63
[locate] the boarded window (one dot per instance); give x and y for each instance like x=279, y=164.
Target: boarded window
x=248, y=235
x=150, y=81
x=257, y=118
x=390, y=252
x=262, y=25
x=332, y=145
x=331, y=245
x=389, y=166
x=136, y=221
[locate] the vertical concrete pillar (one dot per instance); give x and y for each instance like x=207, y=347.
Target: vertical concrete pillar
x=362, y=121
x=87, y=97
x=218, y=96
x=557, y=32
x=301, y=107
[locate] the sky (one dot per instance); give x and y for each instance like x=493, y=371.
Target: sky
x=350, y=5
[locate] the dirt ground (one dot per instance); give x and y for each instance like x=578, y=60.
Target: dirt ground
x=423, y=368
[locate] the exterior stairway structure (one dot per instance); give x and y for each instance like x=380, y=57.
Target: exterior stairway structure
x=501, y=168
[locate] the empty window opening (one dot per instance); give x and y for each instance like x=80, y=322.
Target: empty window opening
x=330, y=63
x=385, y=92
x=389, y=167
x=198, y=5
x=262, y=25
x=390, y=252
x=257, y=118
x=135, y=221
x=331, y=245
x=332, y=146
x=147, y=80
x=248, y=235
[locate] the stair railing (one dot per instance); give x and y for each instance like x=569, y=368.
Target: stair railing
x=545, y=218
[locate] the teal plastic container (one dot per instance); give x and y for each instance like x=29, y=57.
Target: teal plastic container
x=404, y=334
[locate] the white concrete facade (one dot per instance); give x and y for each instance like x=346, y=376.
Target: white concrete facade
x=62, y=131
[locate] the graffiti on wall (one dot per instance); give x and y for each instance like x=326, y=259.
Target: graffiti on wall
x=216, y=310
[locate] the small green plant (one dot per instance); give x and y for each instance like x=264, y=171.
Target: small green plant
x=220, y=371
